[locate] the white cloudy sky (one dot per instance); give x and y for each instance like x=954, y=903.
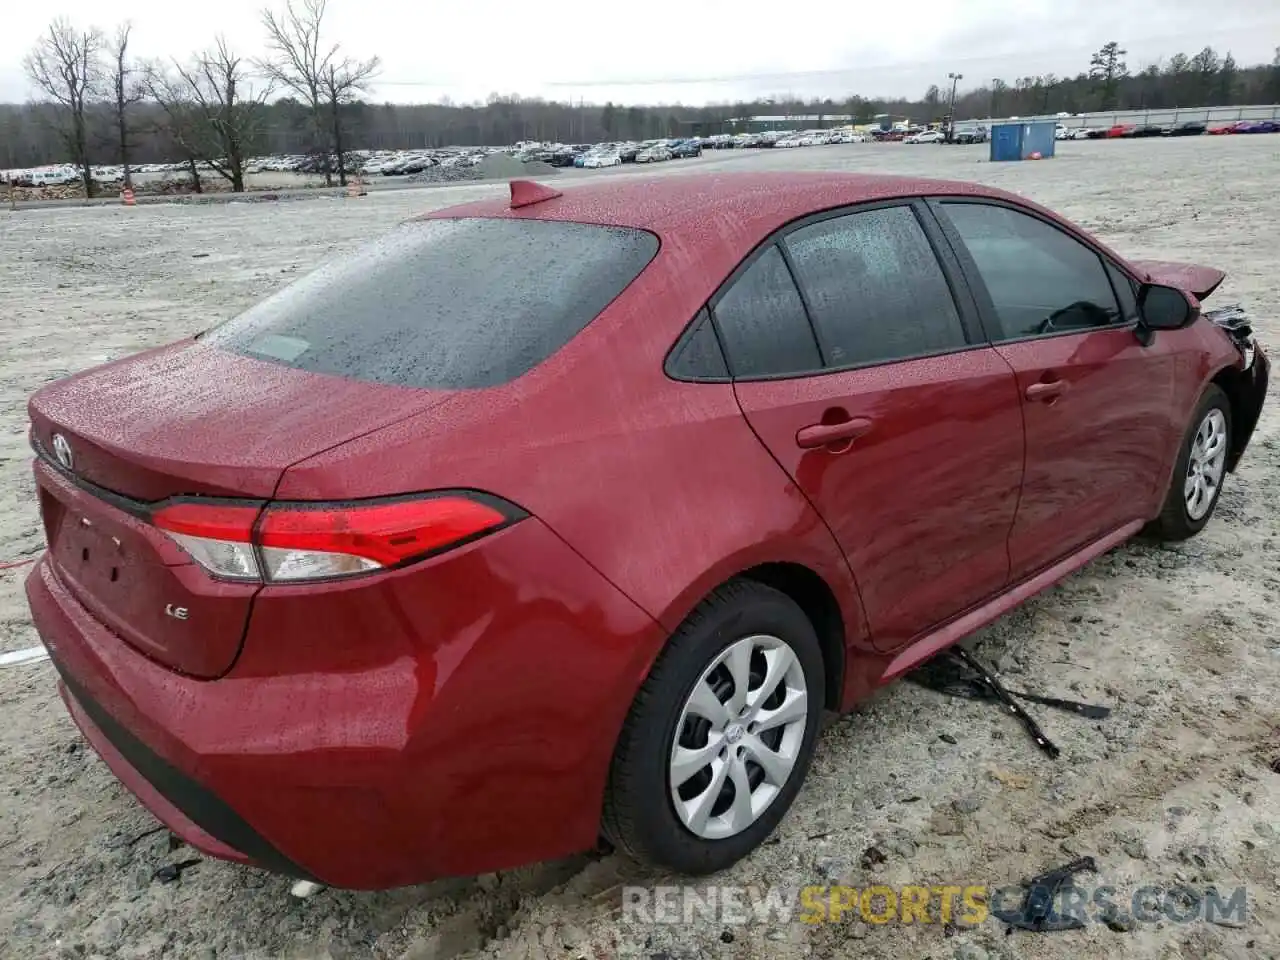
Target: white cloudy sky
x=688, y=51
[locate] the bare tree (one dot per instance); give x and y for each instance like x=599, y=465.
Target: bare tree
x=342, y=82
x=181, y=121
x=126, y=89
x=216, y=113
x=65, y=65
x=300, y=62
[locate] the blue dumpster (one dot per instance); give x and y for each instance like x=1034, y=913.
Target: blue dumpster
x=1018, y=141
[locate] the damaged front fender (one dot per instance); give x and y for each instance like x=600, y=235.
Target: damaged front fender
x=1246, y=384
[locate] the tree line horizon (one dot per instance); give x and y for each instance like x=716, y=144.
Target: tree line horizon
x=303, y=95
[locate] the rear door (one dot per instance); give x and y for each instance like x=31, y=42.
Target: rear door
x=853, y=363
x=1095, y=398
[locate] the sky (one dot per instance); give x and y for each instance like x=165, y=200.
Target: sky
x=688, y=51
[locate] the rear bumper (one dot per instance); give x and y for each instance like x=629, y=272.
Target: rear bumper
x=182, y=804
x=447, y=719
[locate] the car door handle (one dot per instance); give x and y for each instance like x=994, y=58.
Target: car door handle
x=823, y=434
x=1050, y=390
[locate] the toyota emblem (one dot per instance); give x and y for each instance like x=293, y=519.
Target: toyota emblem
x=62, y=451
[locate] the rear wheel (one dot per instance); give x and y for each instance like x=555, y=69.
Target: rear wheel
x=1200, y=470
x=720, y=736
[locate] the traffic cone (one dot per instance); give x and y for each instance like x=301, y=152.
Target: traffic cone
x=126, y=197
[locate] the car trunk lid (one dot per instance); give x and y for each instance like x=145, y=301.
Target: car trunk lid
x=183, y=421
x=191, y=420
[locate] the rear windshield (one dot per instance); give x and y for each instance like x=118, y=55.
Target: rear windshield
x=445, y=303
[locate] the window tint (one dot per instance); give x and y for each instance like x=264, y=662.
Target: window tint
x=1041, y=280
x=1126, y=290
x=445, y=303
x=874, y=287
x=697, y=355
x=763, y=324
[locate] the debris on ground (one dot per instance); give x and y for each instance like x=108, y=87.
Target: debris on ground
x=1038, y=910
x=172, y=871
x=957, y=673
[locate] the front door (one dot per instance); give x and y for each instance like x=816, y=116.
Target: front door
x=852, y=364
x=1095, y=399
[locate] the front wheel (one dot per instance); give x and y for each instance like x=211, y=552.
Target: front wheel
x=1200, y=470
x=720, y=736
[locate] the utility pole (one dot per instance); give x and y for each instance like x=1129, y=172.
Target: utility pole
x=955, y=79
x=995, y=91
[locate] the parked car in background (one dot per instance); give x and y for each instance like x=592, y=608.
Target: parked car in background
x=602, y=158
x=686, y=148
x=1061, y=132
x=1190, y=129
x=1257, y=126
x=1120, y=130
x=926, y=136
x=971, y=133
x=331, y=627
x=654, y=154
x=53, y=177
x=1081, y=133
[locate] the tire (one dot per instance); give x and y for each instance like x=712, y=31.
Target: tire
x=640, y=810
x=1179, y=519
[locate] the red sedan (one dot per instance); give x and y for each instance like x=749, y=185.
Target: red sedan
x=542, y=520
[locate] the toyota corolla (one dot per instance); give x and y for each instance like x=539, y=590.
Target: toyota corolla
x=565, y=516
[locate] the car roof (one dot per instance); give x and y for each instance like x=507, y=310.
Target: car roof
x=741, y=204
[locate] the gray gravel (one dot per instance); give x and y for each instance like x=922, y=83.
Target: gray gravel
x=1183, y=642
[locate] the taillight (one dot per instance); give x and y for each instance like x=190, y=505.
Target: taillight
x=297, y=542
x=219, y=536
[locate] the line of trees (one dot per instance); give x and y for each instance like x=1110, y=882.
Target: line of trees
x=98, y=103
x=305, y=95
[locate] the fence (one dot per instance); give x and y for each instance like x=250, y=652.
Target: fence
x=1170, y=115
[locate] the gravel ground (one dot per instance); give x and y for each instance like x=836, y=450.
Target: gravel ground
x=1183, y=642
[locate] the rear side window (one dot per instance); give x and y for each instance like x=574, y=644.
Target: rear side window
x=763, y=324
x=697, y=355
x=448, y=304
x=874, y=287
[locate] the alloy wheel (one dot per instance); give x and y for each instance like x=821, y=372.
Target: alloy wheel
x=739, y=736
x=1206, y=463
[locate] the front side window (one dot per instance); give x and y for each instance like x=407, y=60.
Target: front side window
x=874, y=287
x=1041, y=280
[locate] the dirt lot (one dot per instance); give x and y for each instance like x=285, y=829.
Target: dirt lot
x=1183, y=642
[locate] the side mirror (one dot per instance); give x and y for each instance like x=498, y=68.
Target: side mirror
x=1164, y=308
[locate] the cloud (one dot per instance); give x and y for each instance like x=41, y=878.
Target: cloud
x=699, y=51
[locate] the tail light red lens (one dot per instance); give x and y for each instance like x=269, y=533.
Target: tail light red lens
x=218, y=536
x=297, y=542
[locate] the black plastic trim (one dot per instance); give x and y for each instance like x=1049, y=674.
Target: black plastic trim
x=202, y=807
